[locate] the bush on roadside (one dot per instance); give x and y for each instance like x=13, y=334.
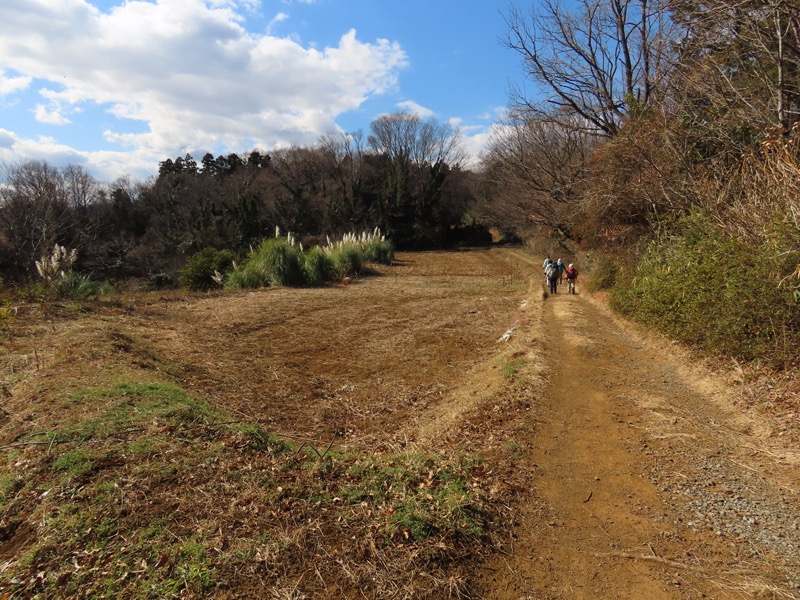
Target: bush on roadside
x=720, y=293
x=603, y=273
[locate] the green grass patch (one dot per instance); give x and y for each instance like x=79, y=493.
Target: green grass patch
x=73, y=463
x=128, y=406
x=511, y=368
x=422, y=496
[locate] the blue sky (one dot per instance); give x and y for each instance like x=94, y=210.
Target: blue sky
x=119, y=85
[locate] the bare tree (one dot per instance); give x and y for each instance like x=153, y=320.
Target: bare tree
x=34, y=212
x=598, y=63
x=534, y=173
x=343, y=157
x=417, y=160
x=740, y=60
x=407, y=137
x=81, y=188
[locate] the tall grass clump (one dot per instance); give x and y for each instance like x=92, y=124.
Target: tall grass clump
x=59, y=278
x=724, y=294
x=205, y=269
x=75, y=286
x=348, y=260
x=276, y=262
x=352, y=252
x=379, y=251
x=281, y=261
x=318, y=266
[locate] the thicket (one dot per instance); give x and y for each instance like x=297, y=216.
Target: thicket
x=721, y=293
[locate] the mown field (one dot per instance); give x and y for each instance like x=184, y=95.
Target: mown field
x=344, y=441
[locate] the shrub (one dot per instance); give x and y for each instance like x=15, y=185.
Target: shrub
x=202, y=268
x=317, y=266
x=379, y=251
x=348, y=259
x=718, y=292
x=75, y=286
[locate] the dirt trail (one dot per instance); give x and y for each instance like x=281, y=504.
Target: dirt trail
x=645, y=487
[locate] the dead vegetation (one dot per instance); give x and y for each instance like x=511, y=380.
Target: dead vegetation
x=282, y=443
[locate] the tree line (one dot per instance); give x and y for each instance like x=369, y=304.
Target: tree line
x=405, y=177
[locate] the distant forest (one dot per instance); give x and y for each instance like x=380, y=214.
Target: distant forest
x=404, y=178
x=660, y=146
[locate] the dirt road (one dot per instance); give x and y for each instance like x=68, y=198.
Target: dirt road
x=649, y=481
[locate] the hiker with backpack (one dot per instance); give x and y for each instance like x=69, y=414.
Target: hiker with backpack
x=547, y=262
x=552, y=273
x=561, y=269
x=572, y=277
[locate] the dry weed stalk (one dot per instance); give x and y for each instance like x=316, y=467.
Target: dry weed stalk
x=747, y=198
x=54, y=266
x=362, y=241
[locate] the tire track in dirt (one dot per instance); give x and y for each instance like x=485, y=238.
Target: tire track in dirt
x=598, y=523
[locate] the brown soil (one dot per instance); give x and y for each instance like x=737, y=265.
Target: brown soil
x=620, y=469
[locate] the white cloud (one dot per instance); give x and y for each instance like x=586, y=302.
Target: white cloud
x=187, y=73
x=9, y=85
x=279, y=18
x=51, y=115
x=476, y=136
x=417, y=109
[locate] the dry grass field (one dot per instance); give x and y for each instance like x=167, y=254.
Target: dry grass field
x=295, y=442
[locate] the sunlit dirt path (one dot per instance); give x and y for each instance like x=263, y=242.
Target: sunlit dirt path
x=621, y=453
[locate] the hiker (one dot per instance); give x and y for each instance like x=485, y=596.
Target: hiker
x=572, y=277
x=551, y=274
x=561, y=270
x=547, y=262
